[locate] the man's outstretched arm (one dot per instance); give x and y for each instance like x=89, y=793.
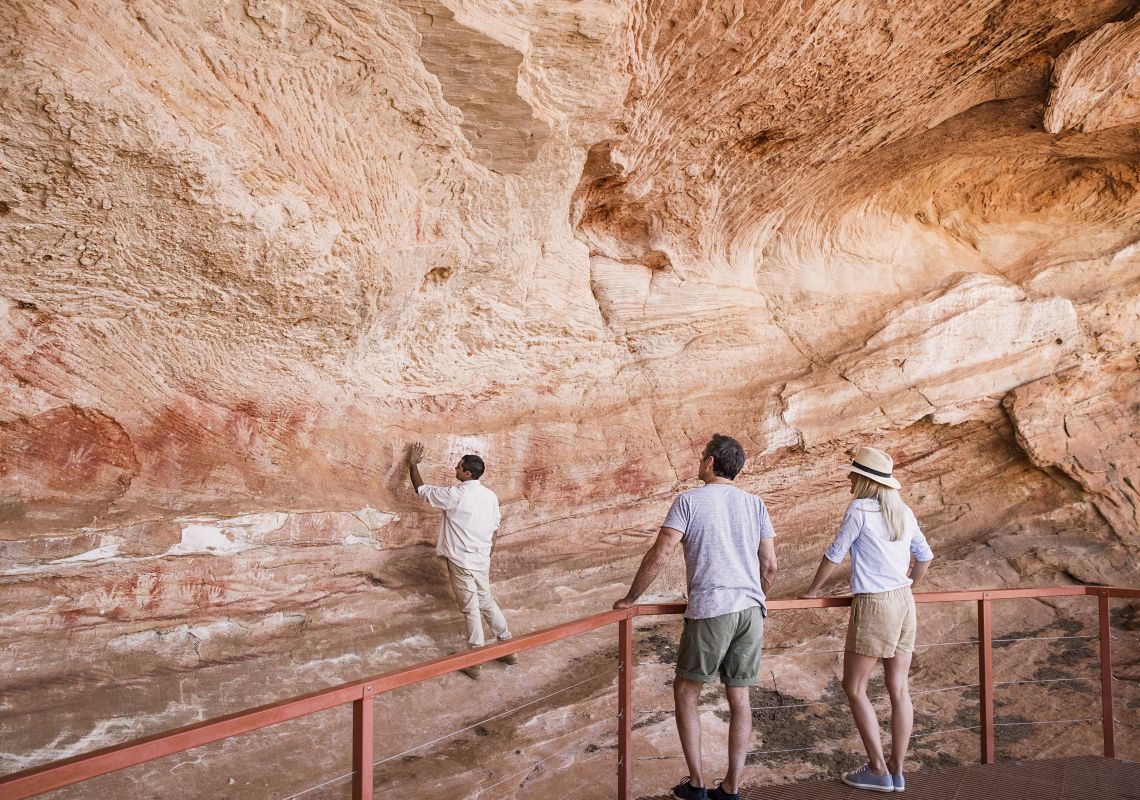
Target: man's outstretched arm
x=415, y=456
x=655, y=559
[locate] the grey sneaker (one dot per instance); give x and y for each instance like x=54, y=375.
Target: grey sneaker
x=863, y=778
x=900, y=782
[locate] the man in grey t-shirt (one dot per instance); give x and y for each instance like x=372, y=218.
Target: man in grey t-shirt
x=730, y=561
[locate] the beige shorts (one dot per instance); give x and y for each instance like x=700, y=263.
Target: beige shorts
x=882, y=623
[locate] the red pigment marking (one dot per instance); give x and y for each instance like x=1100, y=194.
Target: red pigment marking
x=69, y=449
x=634, y=480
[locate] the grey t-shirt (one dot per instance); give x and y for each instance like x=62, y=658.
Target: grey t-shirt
x=722, y=528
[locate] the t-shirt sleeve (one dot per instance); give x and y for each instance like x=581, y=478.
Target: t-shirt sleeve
x=766, y=529
x=679, y=515
x=919, y=547
x=442, y=497
x=848, y=533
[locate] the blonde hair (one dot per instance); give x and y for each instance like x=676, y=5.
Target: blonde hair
x=890, y=503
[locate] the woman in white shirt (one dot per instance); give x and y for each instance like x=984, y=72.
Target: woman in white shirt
x=882, y=534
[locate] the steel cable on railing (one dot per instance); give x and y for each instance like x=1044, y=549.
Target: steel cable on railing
x=1008, y=639
x=944, y=731
x=1006, y=725
x=805, y=749
x=329, y=782
x=777, y=752
x=506, y=713
x=1043, y=680
x=523, y=771
x=540, y=761
x=527, y=769
x=880, y=697
x=800, y=653
x=446, y=736
x=750, y=753
x=944, y=644
x=912, y=694
x=939, y=689
x=1041, y=638
x=1046, y=722
x=916, y=735
x=769, y=654
x=817, y=702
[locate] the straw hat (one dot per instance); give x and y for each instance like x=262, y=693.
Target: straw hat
x=874, y=464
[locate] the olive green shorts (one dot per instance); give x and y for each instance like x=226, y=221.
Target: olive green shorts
x=728, y=645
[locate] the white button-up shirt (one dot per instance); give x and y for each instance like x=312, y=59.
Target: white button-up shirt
x=470, y=518
x=877, y=563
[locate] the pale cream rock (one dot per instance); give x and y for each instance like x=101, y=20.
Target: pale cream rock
x=249, y=250
x=1096, y=82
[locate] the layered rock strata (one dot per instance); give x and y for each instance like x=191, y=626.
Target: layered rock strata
x=251, y=249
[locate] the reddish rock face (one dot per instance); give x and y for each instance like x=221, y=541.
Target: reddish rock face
x=64, y=465
x=251, y=250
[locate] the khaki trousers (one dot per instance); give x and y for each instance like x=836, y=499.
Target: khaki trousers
x=472, y=591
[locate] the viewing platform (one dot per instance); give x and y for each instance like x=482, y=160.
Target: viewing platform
x=1084, y=778
x=1053, y=777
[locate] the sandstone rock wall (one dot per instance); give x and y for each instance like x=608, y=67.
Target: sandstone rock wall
x=250, y=249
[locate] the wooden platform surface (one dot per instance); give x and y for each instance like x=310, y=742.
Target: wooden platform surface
x=1084, y=778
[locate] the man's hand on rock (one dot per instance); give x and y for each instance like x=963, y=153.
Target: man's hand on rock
x=415, y=453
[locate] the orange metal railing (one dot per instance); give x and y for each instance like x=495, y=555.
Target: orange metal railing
x=361, y=693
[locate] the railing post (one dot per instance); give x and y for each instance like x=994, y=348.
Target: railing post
x=1106, y=711
x=362, y=746
x=986, y=678
x=625, y=708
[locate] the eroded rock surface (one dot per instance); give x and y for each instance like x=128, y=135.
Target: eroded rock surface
x=1096, y=82
x=251, y=249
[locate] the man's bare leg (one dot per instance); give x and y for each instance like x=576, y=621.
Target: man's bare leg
x=739, y=735
x=686, y=696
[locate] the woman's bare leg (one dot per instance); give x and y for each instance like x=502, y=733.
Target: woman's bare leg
x=897, y=674
x=856, y=673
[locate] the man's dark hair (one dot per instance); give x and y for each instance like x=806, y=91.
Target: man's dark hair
x=727, y=454
x=474, y=466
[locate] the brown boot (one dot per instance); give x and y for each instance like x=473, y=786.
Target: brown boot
x=474, y=672
x=512, y=659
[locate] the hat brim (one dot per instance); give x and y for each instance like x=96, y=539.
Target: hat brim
x=876, y=478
